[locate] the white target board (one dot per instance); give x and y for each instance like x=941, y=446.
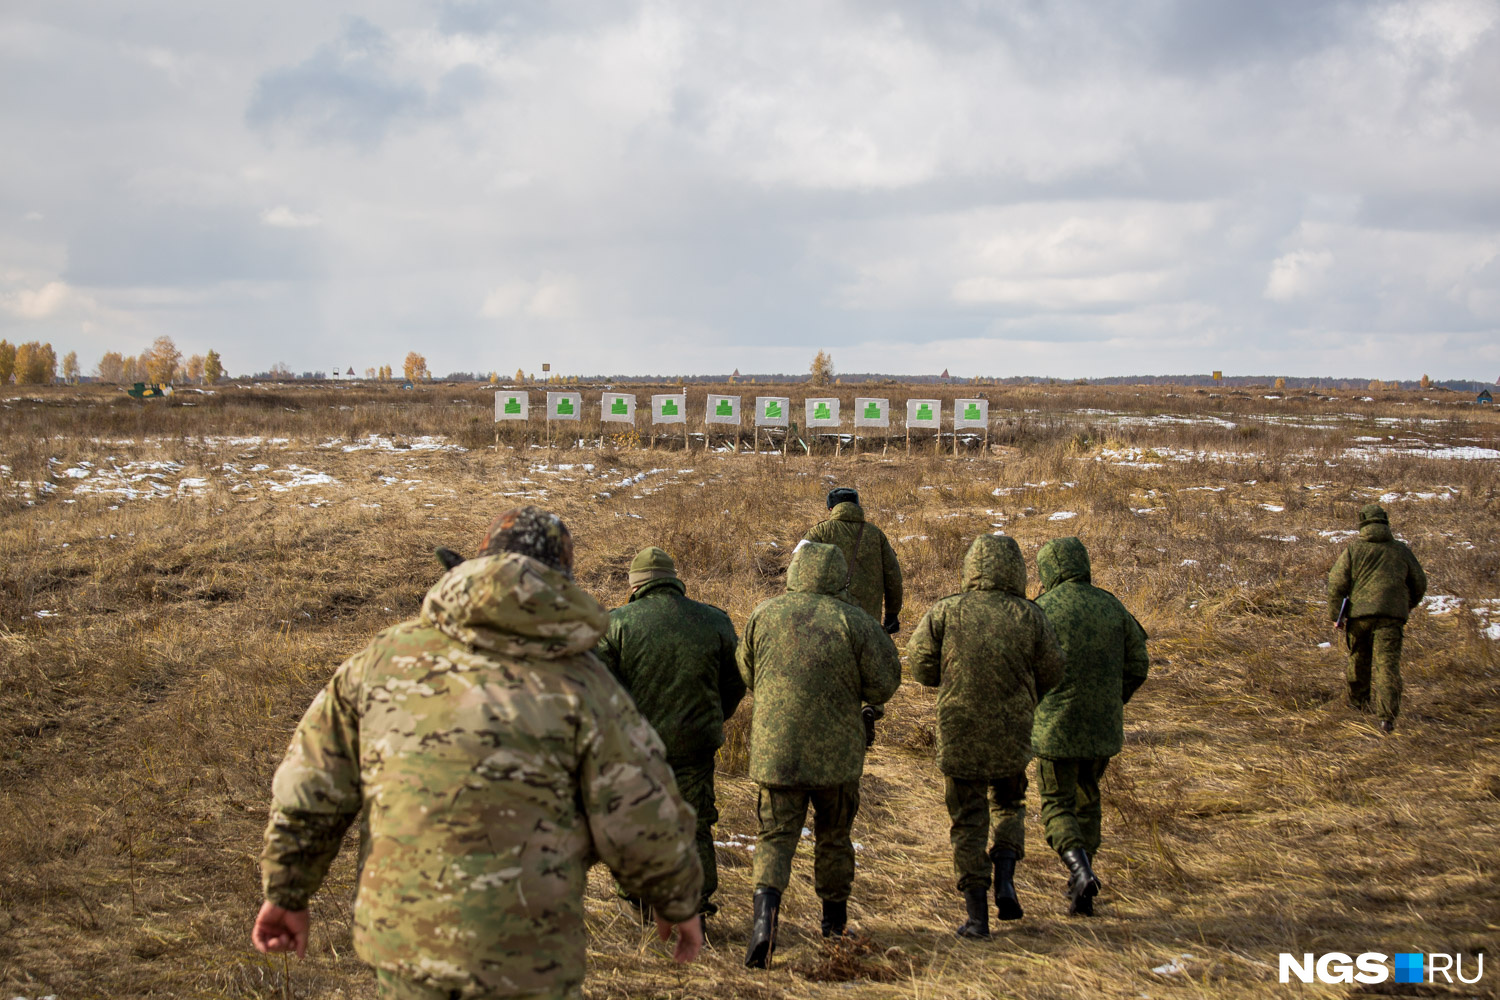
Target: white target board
x=617, y=406
x=722, y=410
x=823, y=411
x=971, y=413
x=564, y=405
x=872, y=412
x=772, y=411
x=510, y=405
x=670, y=408
x=924, y=413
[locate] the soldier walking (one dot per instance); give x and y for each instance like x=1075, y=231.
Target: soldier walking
x=1382, y=581
x=811, y=658
x=1080, y=723
x=495, y=759
x=874, y=570
x=676, y=658
x=991, y=654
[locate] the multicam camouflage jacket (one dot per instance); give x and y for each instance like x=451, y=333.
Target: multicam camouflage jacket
x=1378, y=574
x=877, y=573
x=1084, y=716
x=496, y=759
x=991, y=653
x=676, y=658
x=811, y=658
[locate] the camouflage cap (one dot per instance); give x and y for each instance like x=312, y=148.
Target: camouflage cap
x=651, y=563
x=532, y=532
x=842, y=494
x=1373, y=513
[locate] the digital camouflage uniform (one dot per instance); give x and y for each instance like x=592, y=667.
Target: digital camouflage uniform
x=991, y=653
x=676, y=658
x=1383, y=582
x=877, y=572
x=496, y=759
x=812, y=658
x=1080, y=723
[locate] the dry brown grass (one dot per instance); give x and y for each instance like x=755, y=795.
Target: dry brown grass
x=1251, y=812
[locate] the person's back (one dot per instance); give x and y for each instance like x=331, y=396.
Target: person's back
x=496, y=760
x=1080, y=723
x=874, y=571
x=1382, y=581
x=675, y=656
x=991, y=654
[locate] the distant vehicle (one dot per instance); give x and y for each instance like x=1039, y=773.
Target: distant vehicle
x=148, y=390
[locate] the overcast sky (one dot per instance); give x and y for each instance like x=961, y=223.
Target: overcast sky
x=1052, y=188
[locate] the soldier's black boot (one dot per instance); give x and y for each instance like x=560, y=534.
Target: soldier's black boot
x=763, y=928
x=1083, y=884
x=1007, y=903
x=835, y=918
x=977, y=927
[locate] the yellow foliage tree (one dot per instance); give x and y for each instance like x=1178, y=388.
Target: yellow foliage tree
x=194, y=368
x=162, y=360
x=415, y=367
x=821, y=370
x=111, y=367
x=70, y=367
x=7, y=361
x=213, y=368
x=36, y=364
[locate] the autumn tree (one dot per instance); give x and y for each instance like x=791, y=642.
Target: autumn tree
x=133, y=370
x=1426, y=382
x=520, y=376
x=415, y=367
x=213, y=367
x=162, y=360
x=111, y=368
x=36, y=364
x=7, y=361
x=194, y=368
x=1281, y=383
x=821, y=372
x=280, y=371
x=70, y=367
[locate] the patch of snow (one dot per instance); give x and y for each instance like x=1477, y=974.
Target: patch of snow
x=1062, y=515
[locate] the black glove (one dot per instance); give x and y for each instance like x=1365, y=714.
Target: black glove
x=447, y=557
x=891, y=625
x=867, y=714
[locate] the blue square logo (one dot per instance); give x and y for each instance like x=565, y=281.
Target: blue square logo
x=1408, y=966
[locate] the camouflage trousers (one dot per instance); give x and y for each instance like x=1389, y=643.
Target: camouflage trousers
x=1375, y=664
x=782, y=812
x=695, y=780
x=1071, y=813
x=986, y=816
x=390, y=986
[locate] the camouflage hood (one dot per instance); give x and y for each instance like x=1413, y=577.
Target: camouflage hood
x=514, y=605
x=847, y=511
x=817, y=569
x=994, y=563
x=1063, y=560
x=1377, y=531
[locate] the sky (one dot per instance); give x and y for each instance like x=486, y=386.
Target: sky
x=1060, y=188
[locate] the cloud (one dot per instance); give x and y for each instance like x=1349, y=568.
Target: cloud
x=1298, y=274
x=555, y=297
x=287, y=219
x=38, y=303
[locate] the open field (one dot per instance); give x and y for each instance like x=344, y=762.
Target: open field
x=178, y=577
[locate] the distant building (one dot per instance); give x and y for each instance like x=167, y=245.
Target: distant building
x=1484, y=397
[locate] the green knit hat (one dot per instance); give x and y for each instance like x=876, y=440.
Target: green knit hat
x=651, y=563
x=1373, y=513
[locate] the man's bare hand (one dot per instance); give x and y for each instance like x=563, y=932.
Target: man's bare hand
x=689, y=937
x=286, y=930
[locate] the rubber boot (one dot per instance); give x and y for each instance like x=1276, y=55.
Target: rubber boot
x=835, y=918
x=977, y=927
x=1083, y=884
x=1007, y=903
x=763, y=928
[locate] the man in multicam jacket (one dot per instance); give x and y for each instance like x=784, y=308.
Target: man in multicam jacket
x=676, y=658
x=1080, y=723
x=496, y=759
x=812, y=658
x=991, y=654
x=1382, y=581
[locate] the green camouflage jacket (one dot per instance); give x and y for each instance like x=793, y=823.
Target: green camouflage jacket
x=676, y=658
x=1105, y=647
x=811, y=658
x=991, y=653
x=496, y=759
x=1378, y=574
x=877, y=574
